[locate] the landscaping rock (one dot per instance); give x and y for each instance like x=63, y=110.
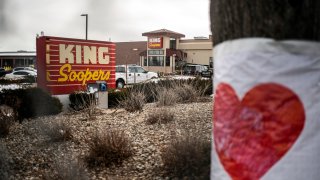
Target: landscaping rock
x=34, y=154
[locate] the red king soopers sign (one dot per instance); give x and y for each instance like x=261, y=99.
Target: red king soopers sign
x=155, y=42
x=66, y=65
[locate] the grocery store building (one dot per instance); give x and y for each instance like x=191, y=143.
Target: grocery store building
x=164, y=51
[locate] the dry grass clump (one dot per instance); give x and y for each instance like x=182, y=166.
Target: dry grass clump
x=109, y=147
x=187, y=157
x=187, y=93
x=166, y=97
x=82, y=101
x=181, y=92
x=6, y=120
x=160, y=116
x=56, y=130
x=68, y=169
x=5, y=161
x=166, y=93
x=134, y=101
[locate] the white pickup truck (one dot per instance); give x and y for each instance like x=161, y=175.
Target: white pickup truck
x=135, y=74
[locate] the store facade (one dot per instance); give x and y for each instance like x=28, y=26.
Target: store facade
x=13, y=59
x=166, y=51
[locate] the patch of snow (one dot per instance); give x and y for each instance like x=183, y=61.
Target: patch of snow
x=10, y=86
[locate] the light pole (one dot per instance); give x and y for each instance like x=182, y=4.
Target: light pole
x=86, y=15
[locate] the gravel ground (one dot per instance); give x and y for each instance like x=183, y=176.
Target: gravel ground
x=36, y=157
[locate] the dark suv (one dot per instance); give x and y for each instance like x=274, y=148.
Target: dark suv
x=195, y=69
x=207, y=73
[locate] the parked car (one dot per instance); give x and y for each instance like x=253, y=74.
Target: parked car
x=23, y=68
x=207, y=73
x=21, y=73
x=134, y=74
x=194, y=69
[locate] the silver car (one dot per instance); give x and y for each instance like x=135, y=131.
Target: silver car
x=20, y=74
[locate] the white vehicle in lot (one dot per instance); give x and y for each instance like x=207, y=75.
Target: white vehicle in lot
x=20, y=74
x=23, y=68
x=133, y=74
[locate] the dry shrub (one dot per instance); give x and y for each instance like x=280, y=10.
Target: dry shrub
x=31, y=102
x=160, y=116
x=181, y=91
x=91, y=110
x=6, y=120
x=187, y=93
x=68, y=168
x=187, y=157
x=166, y=97
x=5, y=163
x=56, y=130
x=153, y=91
x=82, y=101
x=109, y=147
x=134, y=101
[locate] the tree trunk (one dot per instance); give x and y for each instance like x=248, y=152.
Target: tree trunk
x=278, y=19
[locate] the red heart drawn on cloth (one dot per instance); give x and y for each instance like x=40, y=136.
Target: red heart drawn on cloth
x=251, y=135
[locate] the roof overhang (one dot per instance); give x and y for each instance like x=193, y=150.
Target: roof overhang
x=163, y=32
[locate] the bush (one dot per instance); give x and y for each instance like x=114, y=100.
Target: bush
x=68, y=169
x=187, y=156
x=81, y=100
x=108, y=148
x=6, y=120
x=37, y=103
x=160, y=116
x=5, y=163
x=114, y=97
x=84, y=101
x=203, y=87
x=56, y=130
x=13, y=99
x=147, y=89
x=166, y=97
x=133, y=102
x=186, y=93
x=27, y=79
x=31, y=102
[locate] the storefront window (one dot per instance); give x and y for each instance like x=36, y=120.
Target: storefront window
x=155, y=52
x=173, y=43
x=7, y=62
x=156, y=60
x=20, y=62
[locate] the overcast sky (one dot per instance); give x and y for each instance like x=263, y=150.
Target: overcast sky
x=118, y=20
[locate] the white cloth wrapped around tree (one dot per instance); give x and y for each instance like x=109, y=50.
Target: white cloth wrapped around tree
x=266, y=110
